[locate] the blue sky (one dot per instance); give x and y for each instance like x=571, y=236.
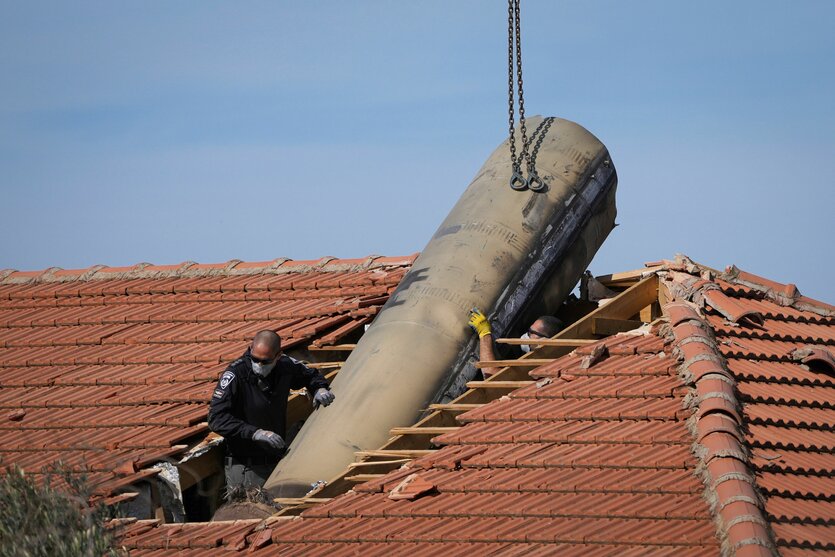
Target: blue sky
x=208, y=131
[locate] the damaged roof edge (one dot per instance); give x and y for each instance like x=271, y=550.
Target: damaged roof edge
x=786, y=295
x=190, y=269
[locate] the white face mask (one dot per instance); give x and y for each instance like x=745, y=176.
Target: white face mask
x=525, y=347
x=262, y=369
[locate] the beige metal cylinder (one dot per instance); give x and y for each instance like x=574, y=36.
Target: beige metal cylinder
x=496, y=250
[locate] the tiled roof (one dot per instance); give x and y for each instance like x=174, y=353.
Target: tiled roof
x=110, y=369
x=592, y=460
x=145, y=538
x=761, y=359
x=709, y=432
x=586, y=460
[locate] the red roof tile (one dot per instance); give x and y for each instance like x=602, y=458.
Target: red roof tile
x=787, y=406
x=711, y=433
x=104, y=367
x=600, y=462
x=608, y=440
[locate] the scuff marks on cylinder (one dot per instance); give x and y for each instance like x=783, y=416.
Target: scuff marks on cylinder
x=442, y=293
x=482, y=228
x=502, y=262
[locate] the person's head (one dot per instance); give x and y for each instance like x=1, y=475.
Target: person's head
x=264, y=351
x=544, y=327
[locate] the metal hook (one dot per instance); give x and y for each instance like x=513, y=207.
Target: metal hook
x=535, y=183
x=518, y=182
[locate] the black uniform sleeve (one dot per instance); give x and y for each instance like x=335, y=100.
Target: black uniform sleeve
x=303, y=376
x=222, y=416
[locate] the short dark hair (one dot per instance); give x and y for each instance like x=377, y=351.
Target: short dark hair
x=268, y=338
x=550, y=325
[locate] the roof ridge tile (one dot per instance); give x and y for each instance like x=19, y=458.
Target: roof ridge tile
x=716, y=425
x=190, y=269
x=781, y=294
x=700, y=279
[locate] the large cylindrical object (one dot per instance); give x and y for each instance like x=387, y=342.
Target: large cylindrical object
x=497, y=250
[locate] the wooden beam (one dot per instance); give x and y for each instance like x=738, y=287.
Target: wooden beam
x=530, y=362
x=360, y=478
x=623, y=306
x=287, y=501
x=662, y=297
x=547, y=341
x=237, y=522
x=333, y=347
x=422, y=430
x=605, y=326
x=325, y=365
x=625, y=278
x=498, y=384
x=452, y=407
x=336, y=486
x=368, y=464
x=395, y=453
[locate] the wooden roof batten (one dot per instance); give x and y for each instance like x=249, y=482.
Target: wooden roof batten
x=639, y=303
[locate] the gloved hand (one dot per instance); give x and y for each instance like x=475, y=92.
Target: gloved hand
x=322, y=397
x=479, y=323
x=269, y=440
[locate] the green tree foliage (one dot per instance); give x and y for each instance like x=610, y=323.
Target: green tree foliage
x=51, y=518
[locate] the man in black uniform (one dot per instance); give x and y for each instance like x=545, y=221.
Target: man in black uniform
x=249, y=408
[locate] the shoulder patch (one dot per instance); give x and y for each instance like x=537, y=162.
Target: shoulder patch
x=218, y=393
x=226, y=378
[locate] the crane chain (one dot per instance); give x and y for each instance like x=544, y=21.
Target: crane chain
x=514, y=65
x=517, y=180
x=535, y=182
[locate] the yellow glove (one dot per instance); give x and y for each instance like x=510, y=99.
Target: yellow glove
x=479, y=323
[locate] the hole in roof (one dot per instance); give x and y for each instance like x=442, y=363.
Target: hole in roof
x=753, y=319
x=821, y=366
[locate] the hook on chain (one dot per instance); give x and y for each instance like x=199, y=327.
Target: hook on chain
x=535, y=183
x=518, y=182
x=530, y=145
